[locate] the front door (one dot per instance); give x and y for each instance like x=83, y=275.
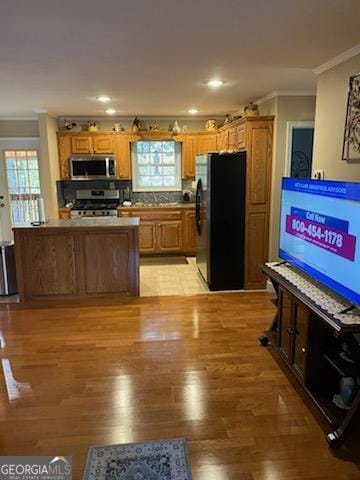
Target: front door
x=19, y=183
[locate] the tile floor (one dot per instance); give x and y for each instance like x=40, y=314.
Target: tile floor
x=170, y=276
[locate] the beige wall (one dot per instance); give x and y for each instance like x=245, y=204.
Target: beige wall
x=19, y=128
x=332, y=92
x=49, y=163
x=286, y=109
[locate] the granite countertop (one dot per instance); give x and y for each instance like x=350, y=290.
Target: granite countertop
x=84, y=222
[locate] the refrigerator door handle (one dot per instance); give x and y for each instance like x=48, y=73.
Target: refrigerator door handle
x=198, y=201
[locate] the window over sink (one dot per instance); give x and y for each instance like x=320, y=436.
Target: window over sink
x=156, y=165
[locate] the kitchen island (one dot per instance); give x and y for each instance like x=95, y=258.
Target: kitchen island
x=87, y=257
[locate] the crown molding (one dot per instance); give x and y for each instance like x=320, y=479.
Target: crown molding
x=18, y=118
x=286, y=93
x=338, y=59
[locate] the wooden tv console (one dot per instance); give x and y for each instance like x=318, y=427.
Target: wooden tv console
x=308, y=340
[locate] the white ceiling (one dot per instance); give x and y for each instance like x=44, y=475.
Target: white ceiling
x=154, y=57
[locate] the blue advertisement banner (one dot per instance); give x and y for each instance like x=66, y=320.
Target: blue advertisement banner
x=328, y=188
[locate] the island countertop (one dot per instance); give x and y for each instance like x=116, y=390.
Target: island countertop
x=84, y=222
x=80, y=257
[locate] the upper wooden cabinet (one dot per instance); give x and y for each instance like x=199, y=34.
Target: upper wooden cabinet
x=193, y=144
x=122, y=152
x=103, y=143
x=207, y=143
x=82, y=144
x=78, y=143
x=64, y=145
x=189, y=150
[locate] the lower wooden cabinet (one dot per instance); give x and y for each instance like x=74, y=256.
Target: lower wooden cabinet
x=147, y=237
x=190, y=231
x=164, y=230
x=170, y=237
x=293, y=329
x=64, y=213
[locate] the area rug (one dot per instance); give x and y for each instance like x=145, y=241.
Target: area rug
x=155, y=460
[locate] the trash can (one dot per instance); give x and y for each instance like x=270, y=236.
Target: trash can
x=8, y=284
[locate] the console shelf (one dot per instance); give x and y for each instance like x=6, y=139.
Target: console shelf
x=308, y=340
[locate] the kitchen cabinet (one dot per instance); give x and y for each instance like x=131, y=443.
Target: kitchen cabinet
x=170, y=238
x=147, y=237
x=232, y=139
x=190, y=231
x=64, y=213
x=82, y=144
x=122, y=150
x=77, y=143
x=64, y=147
x=223, y=140
x=206, y=143
x=189, y=150
x=240, y=136
x=103, y=143
x=192, y=145
x=164, y=229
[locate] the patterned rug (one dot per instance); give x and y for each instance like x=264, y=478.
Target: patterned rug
x=155, y=460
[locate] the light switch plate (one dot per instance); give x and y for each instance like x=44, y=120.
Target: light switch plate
x=318, y=175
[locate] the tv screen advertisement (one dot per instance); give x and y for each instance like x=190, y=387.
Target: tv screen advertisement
x=320, y=232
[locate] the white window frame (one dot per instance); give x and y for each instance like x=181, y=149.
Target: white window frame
x=178, y=155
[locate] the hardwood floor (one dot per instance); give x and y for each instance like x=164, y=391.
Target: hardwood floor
x=102, y=372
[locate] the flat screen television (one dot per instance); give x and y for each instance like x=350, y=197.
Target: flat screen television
x=320, y=232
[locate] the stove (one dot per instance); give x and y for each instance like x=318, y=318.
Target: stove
x=95, y=203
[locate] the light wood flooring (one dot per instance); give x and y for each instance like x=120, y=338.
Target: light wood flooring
x=106, y=372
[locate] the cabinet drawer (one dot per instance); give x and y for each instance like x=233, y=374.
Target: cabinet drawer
x=153, y=215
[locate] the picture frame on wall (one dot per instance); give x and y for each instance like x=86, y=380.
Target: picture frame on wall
x=351, y=147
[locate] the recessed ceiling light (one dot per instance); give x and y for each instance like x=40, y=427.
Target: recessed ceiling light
x=110, y=111
x=103, y=98
x=215, y=83
x=193, y=111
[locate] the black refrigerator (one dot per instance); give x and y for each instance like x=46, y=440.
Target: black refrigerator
x=220, y=219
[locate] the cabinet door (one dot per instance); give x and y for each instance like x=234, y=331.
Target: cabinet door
x=169, y=236
x=123, y=156
x=285, y=324
x=240, y=136
x=103, y=143
x=232, y=139
x=223, y=141
x=64, y=213
x=82, y=144
x=301, y=328
x=206, y=143
x=147, y=237
x=64, y=144
x=189, y=150
x=190, y=231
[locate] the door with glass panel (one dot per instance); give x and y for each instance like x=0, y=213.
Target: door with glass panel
x=19, y=184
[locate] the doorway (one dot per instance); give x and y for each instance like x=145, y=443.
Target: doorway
x=19, y=183
x=300, y=139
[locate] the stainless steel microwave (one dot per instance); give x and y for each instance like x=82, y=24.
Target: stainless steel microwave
x=93, y=167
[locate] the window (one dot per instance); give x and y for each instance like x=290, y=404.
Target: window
x=156, y=166
x=22, y=169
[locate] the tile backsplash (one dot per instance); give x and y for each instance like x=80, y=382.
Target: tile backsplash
x=66, y=191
